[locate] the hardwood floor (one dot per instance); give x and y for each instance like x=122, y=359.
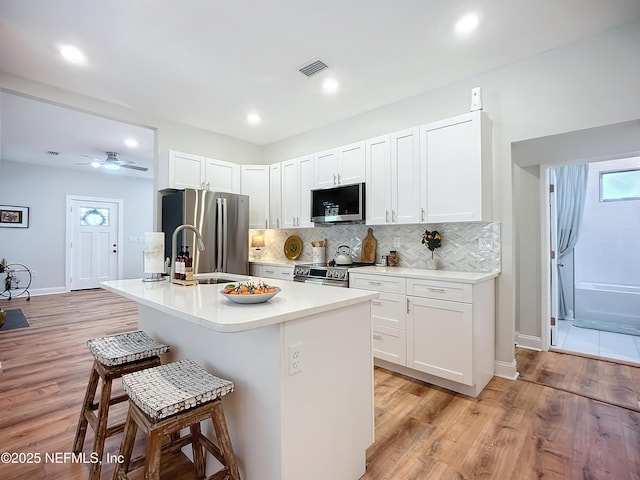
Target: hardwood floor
x=543, y=426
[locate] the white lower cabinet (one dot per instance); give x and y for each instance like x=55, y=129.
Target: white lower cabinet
x=441, y=332
x=282, y=272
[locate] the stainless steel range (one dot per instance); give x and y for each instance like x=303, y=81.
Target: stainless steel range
x=336, y=276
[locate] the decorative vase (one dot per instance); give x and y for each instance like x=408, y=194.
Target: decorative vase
x=432, y=263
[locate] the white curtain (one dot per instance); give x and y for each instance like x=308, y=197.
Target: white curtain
x=571, y=190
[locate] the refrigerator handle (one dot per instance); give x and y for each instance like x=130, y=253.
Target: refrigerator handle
x=225, y=223
x=219, y=234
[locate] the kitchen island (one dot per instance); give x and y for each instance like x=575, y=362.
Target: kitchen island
x=301, y=363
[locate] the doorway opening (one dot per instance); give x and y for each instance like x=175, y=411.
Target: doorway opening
x=597, y=292
x=94, y=234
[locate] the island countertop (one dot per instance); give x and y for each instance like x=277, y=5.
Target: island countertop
x=204, y=305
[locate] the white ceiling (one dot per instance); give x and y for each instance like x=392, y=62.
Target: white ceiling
x=208, y=63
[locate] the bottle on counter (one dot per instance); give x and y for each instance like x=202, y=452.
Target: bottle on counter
x=180, y=264
x=392, y=259
x=188, y=271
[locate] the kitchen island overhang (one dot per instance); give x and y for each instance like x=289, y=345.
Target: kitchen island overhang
x=302, y=366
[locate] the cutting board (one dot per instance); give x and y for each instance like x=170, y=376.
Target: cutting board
x=368, y=250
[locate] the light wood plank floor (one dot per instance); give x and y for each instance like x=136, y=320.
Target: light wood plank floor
x=525, y=429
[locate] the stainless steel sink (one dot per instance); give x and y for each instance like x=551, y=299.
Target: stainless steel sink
x=215, y=280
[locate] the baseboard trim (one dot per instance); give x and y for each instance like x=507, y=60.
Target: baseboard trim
x=47, y=291
x=506, y=370
x=529, y=341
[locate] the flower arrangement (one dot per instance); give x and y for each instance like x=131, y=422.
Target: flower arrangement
x=432, y=240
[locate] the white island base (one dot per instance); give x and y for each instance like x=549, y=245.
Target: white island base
x=313, y=423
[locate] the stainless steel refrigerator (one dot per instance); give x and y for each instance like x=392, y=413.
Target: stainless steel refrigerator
x=223, y=221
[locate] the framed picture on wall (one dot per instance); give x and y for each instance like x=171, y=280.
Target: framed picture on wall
x=14, y=217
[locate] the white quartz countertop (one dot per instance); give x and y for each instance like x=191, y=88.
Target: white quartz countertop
x=204, y=304
x=441, y=275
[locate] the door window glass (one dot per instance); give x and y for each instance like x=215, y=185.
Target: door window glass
x=93, y=217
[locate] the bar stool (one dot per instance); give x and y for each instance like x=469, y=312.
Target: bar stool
x=114, y=356
x=165, y=399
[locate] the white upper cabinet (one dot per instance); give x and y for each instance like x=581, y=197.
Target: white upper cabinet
x=275, y=195
x=393, y=178
x=255, y=183
x=184, y=170
x=340, y=166
x=297, y=182
x=456, y=174
x=180, y=170
x=221, y=176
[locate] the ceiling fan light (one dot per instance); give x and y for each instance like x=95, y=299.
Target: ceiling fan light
x=95, y=164
x=112, y=166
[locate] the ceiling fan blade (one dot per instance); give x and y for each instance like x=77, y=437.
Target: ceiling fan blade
x=92, y=158
x=135, y=167
x=85, y=163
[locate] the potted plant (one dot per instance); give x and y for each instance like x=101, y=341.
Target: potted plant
x=432, y=240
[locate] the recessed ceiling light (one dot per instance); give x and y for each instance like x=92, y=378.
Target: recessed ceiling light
x=467, y=24
x=131, y=142
x=330, y=85
x=72, y=54
x=253, y=118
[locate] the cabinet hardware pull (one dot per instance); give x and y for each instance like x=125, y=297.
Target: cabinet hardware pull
x=334, y=179
x=393, y=216
x=269, y=271
x=408, y=305
x=266, y=223
x=386, y=216
x=377, y=336
x=338, y=179
x=438, y=290
x=422, y=214
x=371, y=282
x=376, y=302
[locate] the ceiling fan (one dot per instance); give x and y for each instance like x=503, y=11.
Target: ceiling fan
x=112, y=162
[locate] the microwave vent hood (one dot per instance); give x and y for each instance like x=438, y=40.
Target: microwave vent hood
x=342, y=204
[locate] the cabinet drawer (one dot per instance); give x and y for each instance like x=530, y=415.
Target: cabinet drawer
x=285, y=273
x=455, y=292
x=388, y=310
x=390, y=344
x=379, y=283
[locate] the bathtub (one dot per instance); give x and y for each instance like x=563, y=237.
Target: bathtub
x=609, y=307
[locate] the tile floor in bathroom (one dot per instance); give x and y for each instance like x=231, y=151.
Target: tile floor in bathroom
x=595, y=342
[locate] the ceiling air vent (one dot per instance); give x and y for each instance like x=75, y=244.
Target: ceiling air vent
x=51, y=152
x=313, y=68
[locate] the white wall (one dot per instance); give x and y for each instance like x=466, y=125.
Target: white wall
x=583, y=85
x=608, y=250
x=44, y=190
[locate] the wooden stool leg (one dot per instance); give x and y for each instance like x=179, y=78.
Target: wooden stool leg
x=126, y=446
x=224, y=440
x=81, y=431
x=152, y=456
x=198, y=453
x=101, y=431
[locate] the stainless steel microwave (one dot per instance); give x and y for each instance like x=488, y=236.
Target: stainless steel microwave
x=338, y=204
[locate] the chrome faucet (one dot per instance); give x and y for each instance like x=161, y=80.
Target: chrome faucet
x=174, y=246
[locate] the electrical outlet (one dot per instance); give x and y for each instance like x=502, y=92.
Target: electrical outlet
x=396, y=242
x=133, y=239
x=485, y=245
x=295, y=358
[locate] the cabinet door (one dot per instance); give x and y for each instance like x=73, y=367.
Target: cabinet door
x=351, y=163
x=440, y=339
x=306, y=172
x=221, y=176
x=378, y=186
x=388, y=310
x=255, y=183
x=186, y=170
x=290, y=193
x=326, y=168
x=405, y=176
x=275, y=196
x=389, y=344
x=452, y=153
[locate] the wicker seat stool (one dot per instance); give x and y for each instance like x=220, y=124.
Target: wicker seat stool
x=114, y=356
x=166, y=399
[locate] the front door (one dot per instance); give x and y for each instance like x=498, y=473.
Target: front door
x=93, y=249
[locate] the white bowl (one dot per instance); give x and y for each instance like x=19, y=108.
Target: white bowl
x=254, y=298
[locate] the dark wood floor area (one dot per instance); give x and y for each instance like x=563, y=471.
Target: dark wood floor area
x=546, y=426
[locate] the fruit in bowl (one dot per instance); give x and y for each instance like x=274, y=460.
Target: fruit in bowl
x=248, y=288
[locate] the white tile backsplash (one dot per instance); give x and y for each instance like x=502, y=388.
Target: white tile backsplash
x=459, y=251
